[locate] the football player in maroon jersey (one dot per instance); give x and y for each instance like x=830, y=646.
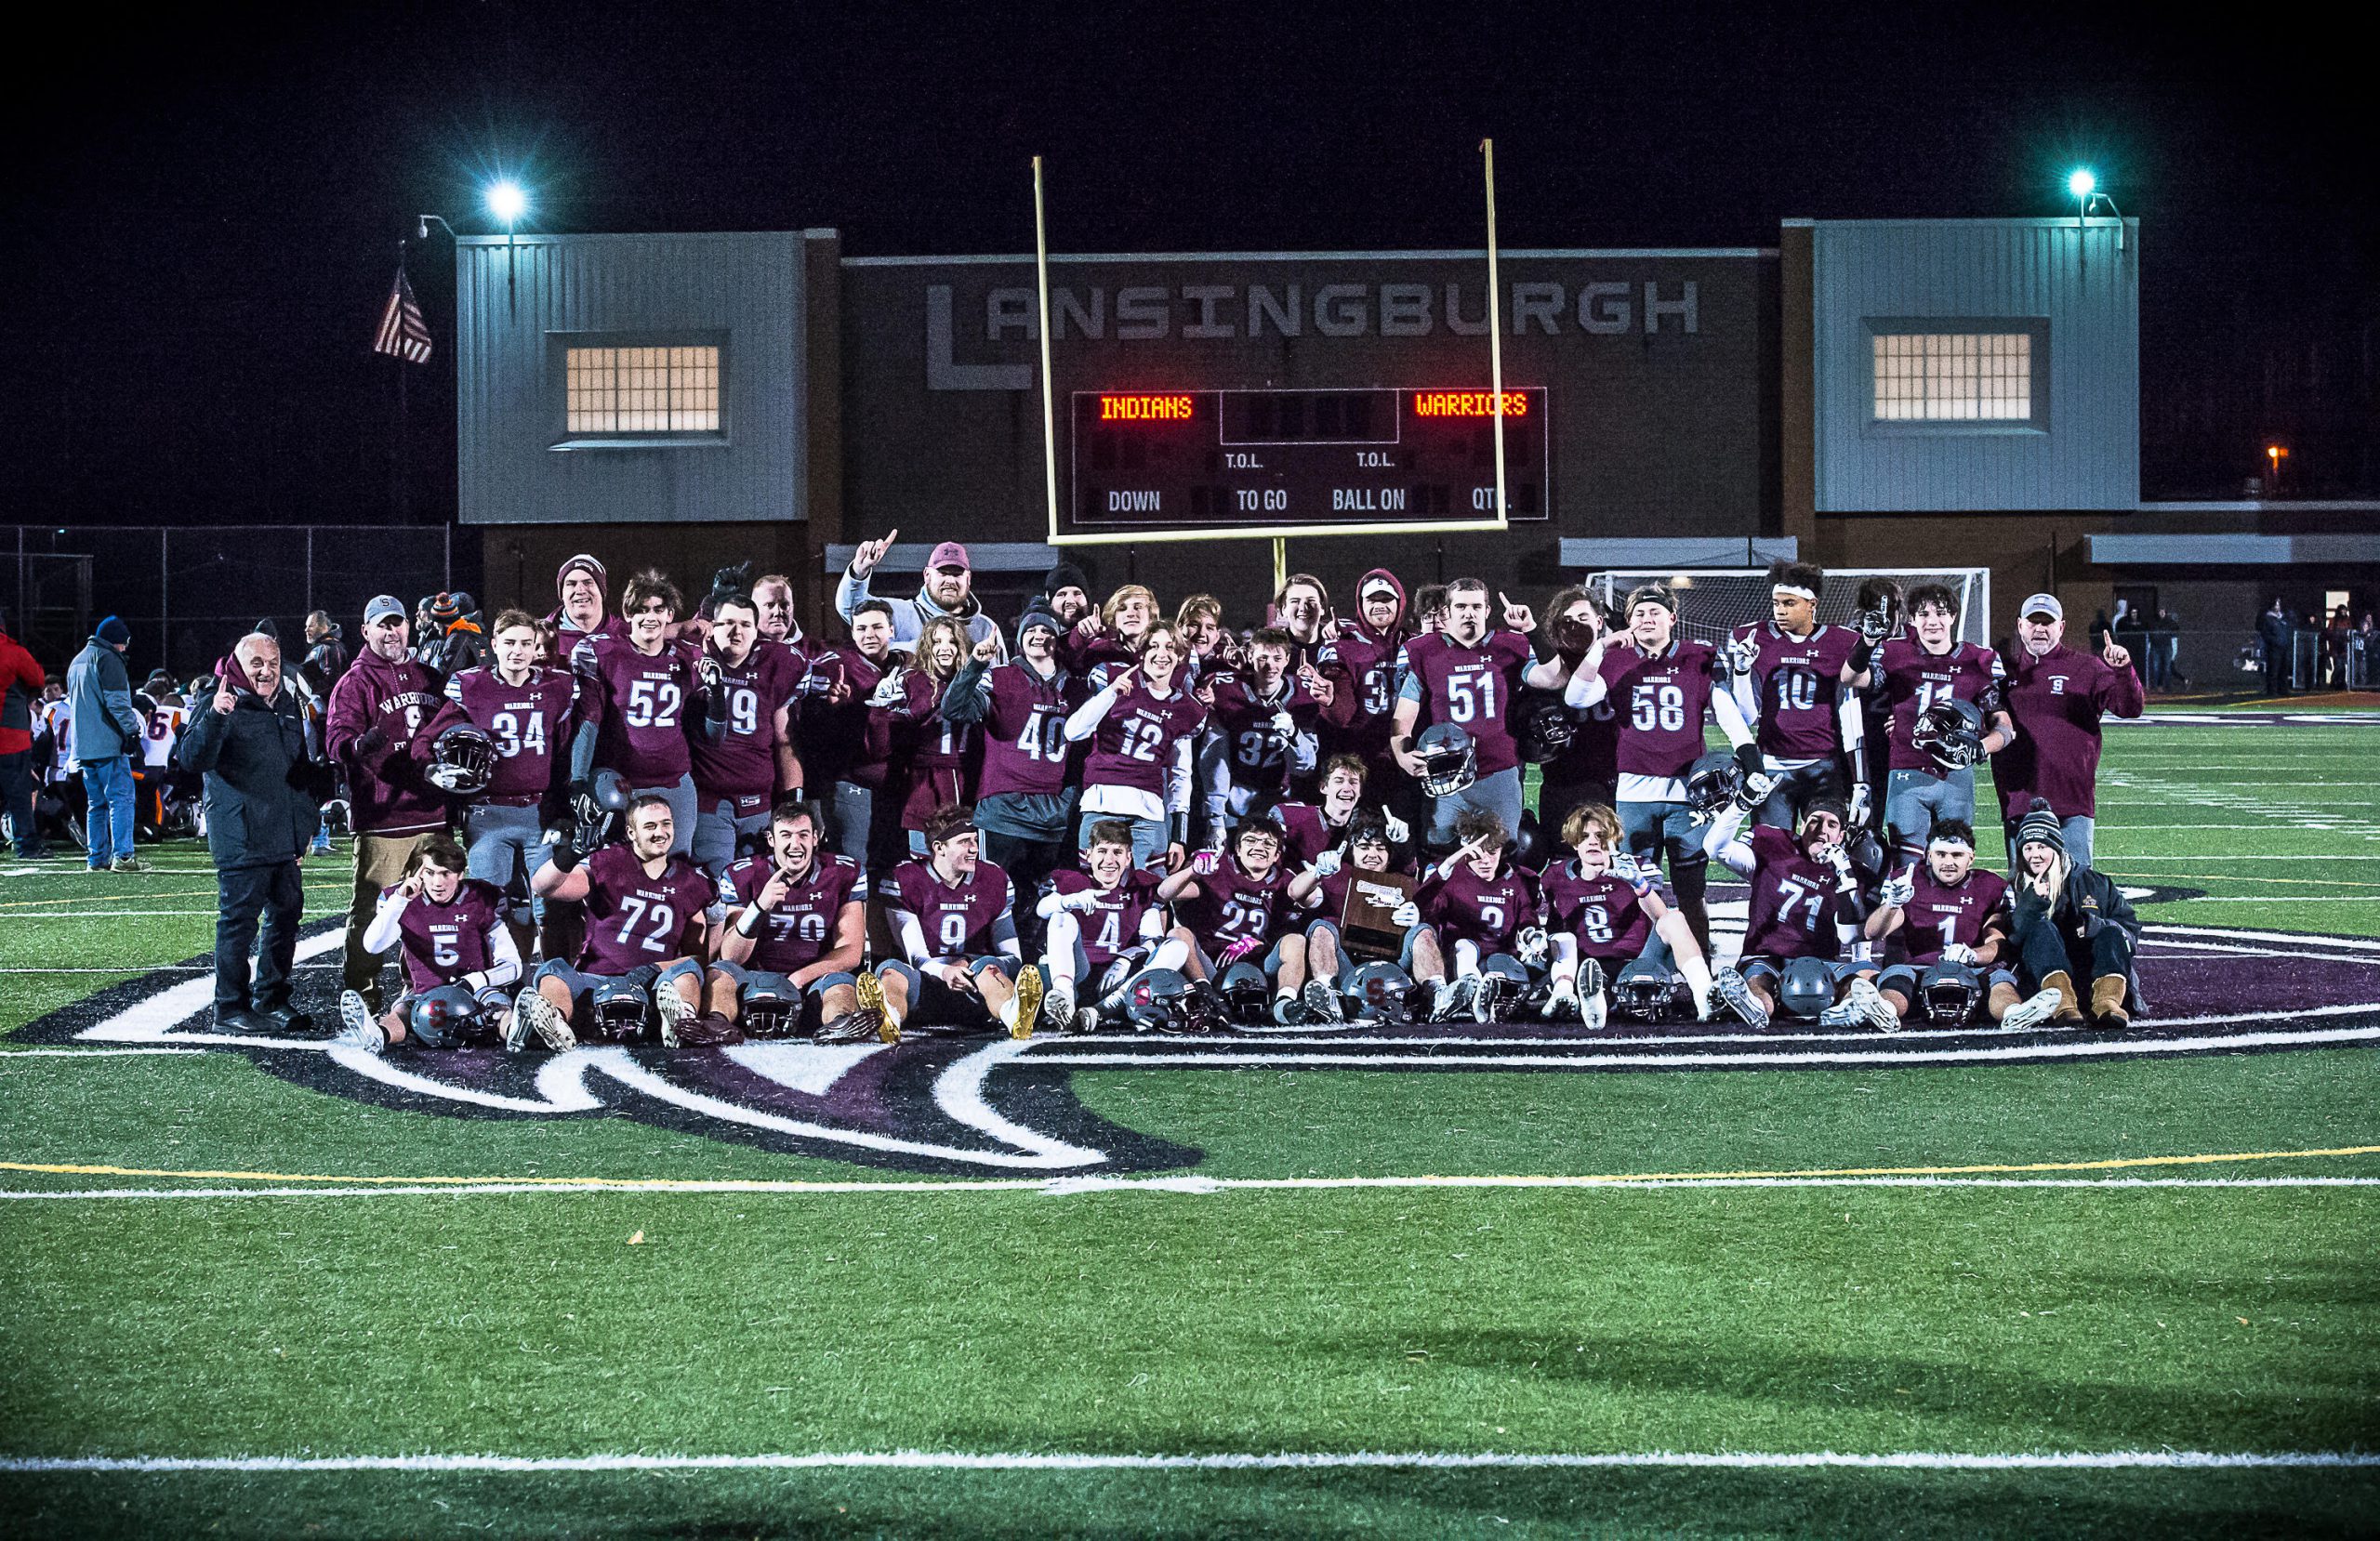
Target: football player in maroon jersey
x=1661, y=685
x=1260, y=733
x=1806, y=903
x=646, y=909
x=1946, y=910
x=1604, y=910
x=1024, y=800
x=955, y=915
x=1909, y=676
x=1791, y=678
x=1234, y=906
x=1322, y=889
x=1142, y=726
x=1105, y=916
x=450, y=931
x=1481, y=907
x=1471, y=675
x=750, y=687
x=640, y=698
x=797, y=919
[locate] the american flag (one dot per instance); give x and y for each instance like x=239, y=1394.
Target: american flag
x=402, y=334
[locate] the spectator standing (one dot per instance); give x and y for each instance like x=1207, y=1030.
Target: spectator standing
x=2278, y=633
x=376, y=711
x=107, y=731
x=2056, y=697
x=249, y=741
x=327, y=654
x=946, y=589
x=22, y=679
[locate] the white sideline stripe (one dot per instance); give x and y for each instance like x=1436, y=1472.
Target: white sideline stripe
x=86, y=1053
x=1067, y=1187
x=938, y=1460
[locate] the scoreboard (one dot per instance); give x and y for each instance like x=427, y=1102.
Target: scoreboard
x=1178, y=459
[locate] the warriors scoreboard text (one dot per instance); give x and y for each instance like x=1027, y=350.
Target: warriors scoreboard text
x=1174, y=458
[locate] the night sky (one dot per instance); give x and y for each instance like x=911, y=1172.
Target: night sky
x=208, y=207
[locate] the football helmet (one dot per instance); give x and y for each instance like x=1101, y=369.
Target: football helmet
x=1158, y=1001
x=444, y=1017
x=771, y=1005
x=1645, y=990
x=462, y=763
x=1546, y=727
x=1806, y=988
x=1950, y=733
x=598, y=807
x=618, y=1008
x=1449, y=759
x=1245, y=991
x=1528, y=847
x=1950, y=995
x=1712, y=783
x=1379, y=989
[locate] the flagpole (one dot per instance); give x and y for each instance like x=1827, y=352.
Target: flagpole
x=404, y=419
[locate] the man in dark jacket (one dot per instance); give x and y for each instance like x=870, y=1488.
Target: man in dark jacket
x=326, y=654
x=2278, y=633
x=21, y=678
x=263, y=805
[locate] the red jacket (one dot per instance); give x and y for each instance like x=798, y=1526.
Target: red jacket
x=20, y=682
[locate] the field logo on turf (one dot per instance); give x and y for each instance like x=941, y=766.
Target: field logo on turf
x=947, y=1105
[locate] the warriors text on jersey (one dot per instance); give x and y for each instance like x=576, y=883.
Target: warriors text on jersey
x=801, y=928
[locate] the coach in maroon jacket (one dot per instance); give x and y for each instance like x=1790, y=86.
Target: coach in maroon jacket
x=2056, y=696
x=375, y=710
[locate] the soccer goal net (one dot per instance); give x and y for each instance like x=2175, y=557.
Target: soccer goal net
x=1712, y=603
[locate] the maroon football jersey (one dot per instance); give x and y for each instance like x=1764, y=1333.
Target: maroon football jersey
x=1938, y=916
x=742, y=763
x=1474, y=688
x=1660, y=703
x=1112, y=925
x=1024, y=729
x=957, y=919
x=1231, y=905
x=801, y=928
x=1915, y=679
x=1134, y=745
x=641, y=705
x=1361, y=666
x=1795, y=683
x=1794, y=907
x=1486, y=912
x=443, y=943
x=531, y=722
x=1257, y=751
x=1333, y=889
x=633, y=919
x=1310, y=832
x=1605, y=914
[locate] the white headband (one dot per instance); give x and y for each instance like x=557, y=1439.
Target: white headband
x=1794, y=591
x=1951, y=842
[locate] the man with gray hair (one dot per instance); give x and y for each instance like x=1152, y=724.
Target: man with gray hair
x=264, y=782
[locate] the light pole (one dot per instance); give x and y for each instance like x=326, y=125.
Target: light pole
x=508, y=204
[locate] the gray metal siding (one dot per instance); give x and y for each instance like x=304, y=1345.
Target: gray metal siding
x=509, y=300
x=2088, y=454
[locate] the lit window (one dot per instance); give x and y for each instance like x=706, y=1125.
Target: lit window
x=629, y=391
x=1953, y=376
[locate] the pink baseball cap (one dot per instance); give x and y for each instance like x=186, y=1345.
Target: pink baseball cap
x=950, y=554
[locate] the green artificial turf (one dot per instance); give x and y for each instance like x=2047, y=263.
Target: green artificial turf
x=1959, y=1319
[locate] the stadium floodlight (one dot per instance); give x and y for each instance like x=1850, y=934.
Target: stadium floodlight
x=2081, y=184
x=508, y=203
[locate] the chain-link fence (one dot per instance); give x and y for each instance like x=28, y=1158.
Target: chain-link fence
x=188, y=594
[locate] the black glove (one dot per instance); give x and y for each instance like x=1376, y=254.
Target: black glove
x=1750, y=761
x=565, y=851
x=370, y=742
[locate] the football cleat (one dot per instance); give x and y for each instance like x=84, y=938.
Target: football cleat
x=1594, y=1010
x=1489, y=999
x=1322, y=1002
x=1058, y=1009
x=357, y=1029
x=2030, y=1012
x=534, y=1013
x=857, y=1026
x=1736, y=996
x=1562, y=1002
x=870, y=990
x=674, y=1010
x=1456, y=998
x=1289, y=1012
x=1019, y=1015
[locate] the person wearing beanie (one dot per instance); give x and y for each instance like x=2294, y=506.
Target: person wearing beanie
x=1023, y=802
x=458, y=642
x=22, y=679
x=106, y=732
x=948, y=588
x=2070, y=922
x=581, y=584
x=1066, y=593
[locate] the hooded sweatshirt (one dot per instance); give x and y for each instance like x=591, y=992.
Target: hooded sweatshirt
x=1361, y=665
x=910, y=616
x=386, y=791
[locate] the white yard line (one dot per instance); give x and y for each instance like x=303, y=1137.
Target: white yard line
x=939, y=1461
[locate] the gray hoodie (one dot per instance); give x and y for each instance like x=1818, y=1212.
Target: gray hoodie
x=910, y=616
